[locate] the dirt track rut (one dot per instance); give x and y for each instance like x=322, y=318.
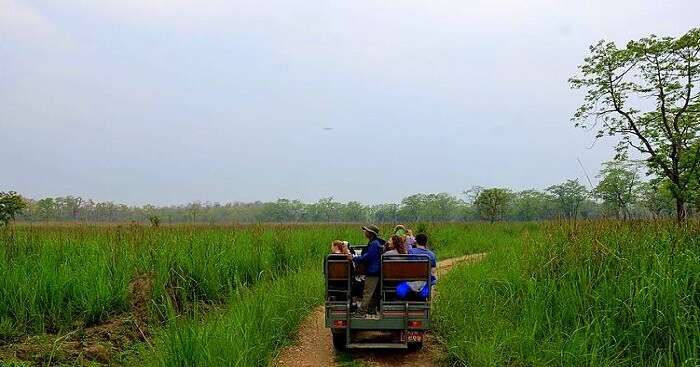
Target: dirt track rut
x=314, y=347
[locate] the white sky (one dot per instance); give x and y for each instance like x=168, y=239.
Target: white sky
x=172, y=101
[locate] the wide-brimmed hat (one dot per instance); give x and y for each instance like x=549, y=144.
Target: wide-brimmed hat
x=372, y=229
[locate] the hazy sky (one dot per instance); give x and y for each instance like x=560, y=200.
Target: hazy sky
x=171, y=101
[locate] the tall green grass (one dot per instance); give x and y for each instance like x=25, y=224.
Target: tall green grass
x=606, y=294
x=257, y=322
x=255, y=282
x=55, y=277
x=452, y=239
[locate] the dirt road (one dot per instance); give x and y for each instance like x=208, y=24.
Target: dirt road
x=314, y=347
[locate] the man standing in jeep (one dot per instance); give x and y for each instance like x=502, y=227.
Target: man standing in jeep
x=371, y=259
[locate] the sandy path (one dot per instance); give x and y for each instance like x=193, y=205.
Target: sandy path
x=314, y=347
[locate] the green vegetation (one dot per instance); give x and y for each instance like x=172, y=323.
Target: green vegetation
x=618, y=187
x=56, y=276
x=621, y=193
x=11, y=203
x=261, y=320
x=605, y=294
x=492, y=204
x=256, y=323
x=646, y=93
x=581, y=291
x=214, y=288
x=570, y=195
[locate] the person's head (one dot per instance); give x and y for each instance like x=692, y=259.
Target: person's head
x=399, y=244
x=400, y=230
x=370, y=231
x=409, y=232
x=422, y=239
x=389, y=245
x=340, y=247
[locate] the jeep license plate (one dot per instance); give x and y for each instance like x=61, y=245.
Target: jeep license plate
x=412, y=336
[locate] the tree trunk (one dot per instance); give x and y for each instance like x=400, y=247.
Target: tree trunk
x=680, y=210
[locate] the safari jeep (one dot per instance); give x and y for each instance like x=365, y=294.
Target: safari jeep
x=399, y=323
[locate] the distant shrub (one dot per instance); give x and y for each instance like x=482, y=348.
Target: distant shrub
x=154, y=220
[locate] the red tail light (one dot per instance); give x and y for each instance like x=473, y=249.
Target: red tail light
x=415, y=324
x=340, y=324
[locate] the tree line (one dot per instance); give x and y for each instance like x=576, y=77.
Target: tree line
x=624, y=192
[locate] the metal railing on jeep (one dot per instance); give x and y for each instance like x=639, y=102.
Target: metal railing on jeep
x=406, y=318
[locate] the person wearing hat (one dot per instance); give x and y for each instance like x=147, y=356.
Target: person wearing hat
x=371, y=259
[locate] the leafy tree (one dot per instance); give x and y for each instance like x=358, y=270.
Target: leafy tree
x=281, y=210
x=441, y=207
x=656, y=197
x=71, y=204
x=492, y=204
x=385, y=213
x=411, y=208
x=472, y=193
x=570, y=195
x=154, y=220
x=354, y=211
x=11, y=203
x=194, y=208
x=589, y=209
x=618, y=187
x=46, y=208
x=324, y=210
x=531, y=205
x=645, y=94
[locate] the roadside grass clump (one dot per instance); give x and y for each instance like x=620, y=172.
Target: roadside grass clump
x=604, y=294
x=48, y=282
x=256, y=323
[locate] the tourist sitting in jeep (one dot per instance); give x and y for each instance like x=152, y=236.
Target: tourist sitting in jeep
x=397, y=246
x=406, y=234
x=339, y=247
x=419, y=289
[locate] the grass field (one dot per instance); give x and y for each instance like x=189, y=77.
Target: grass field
x=56, y=276
x=62, y=278
x=606, y=294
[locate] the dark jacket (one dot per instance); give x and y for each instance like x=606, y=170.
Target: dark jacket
x=371, y=256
